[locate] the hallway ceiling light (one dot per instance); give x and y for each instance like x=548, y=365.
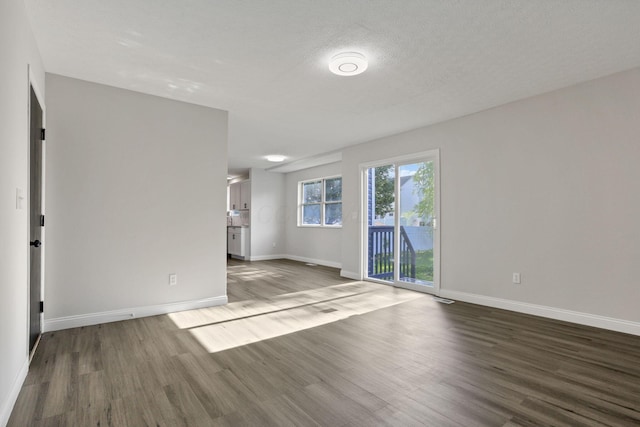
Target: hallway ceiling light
x=276, y=158
x=348, y=64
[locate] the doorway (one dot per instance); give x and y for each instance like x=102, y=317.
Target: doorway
x=36, y=219
x=402, y=239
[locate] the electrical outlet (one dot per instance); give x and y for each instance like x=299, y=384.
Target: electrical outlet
x=274, y=244
x=516, y=278
x=173, y=279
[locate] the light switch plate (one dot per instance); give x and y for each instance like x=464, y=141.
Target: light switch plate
x=19, y=198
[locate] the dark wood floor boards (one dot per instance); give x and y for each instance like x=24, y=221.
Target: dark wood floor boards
x=412, y=364
x=578, y=392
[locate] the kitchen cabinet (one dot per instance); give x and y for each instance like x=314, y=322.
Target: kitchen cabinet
x=240, y=195
x=238, y=242
x=245, y=195
x=234, y=197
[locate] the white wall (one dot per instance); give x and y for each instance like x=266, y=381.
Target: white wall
x=17, y=51
x=136, y=189
x=547, y=187
x=318, y=245
x=267, y=214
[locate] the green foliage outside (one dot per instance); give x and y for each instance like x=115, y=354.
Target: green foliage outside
x=424, y=188
x=384, y=191
x=424, y=264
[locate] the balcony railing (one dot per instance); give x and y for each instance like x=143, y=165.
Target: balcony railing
x=381, y=250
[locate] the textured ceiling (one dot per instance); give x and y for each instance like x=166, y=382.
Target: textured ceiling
x=266, y=61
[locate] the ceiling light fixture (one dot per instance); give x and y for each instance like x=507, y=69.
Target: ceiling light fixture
x=348, y=64
x=276, y=158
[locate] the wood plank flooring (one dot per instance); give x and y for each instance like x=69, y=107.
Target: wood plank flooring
x=245, y=322
x=251, y=280
x=410, y=364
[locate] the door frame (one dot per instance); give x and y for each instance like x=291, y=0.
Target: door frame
x=430, y=155
x=33, y=84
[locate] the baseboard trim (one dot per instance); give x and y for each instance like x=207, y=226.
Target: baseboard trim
x=333, y=264
x=89, y=319
x=296, y=258
x=323, y=262
x=10, y=401
x=266, y=257
x=350, y=275
x=578, y=317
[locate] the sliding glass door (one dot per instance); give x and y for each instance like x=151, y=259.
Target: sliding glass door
x=401, y=236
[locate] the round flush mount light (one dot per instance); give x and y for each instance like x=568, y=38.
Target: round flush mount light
x=276, y=158
x=348, y=64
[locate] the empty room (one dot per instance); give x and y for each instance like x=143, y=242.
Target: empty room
x=319, y=213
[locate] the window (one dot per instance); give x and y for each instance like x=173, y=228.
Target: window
x=320, y=202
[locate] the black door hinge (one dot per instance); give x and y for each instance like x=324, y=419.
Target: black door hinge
x=41, y=306
x=42, y=134
x=41, y=220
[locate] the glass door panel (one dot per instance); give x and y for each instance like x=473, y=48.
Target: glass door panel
x=416, y=219
x=381, y=183
x=401, y=236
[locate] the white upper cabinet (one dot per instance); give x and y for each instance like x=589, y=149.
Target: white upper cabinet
x=240, y=195
x=234, y=197
x=245, y=195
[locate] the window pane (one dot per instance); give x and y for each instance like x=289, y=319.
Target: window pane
x=311, y=214
x=333, y=190
x=333, y=214
x=312, y=192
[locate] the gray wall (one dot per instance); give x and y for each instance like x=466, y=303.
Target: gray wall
x=267, y=214
x=313, y=244
x=17, y=51
x=547, y=187
x=136, y=189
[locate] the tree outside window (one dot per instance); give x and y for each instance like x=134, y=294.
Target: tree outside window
x=321, y=202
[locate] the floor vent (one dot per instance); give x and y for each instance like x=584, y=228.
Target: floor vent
x=443, y=300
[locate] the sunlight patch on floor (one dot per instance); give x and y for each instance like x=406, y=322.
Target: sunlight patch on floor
x=245, y=322
x=242, y=309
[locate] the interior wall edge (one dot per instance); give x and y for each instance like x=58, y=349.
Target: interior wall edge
x=350, y=275
x=7, y=405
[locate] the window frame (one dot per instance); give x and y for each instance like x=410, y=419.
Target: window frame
x=323, y=202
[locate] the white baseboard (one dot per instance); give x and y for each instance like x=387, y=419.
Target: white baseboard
x=350, y=275
x=80, y=320
x=587, y=319
x=296, y=258
x=326, y=263
x=10, y=401
x=266, y=257
x=333, y=264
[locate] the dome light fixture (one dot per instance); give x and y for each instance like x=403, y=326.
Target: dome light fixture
x=348, y=64
x=275, y=158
